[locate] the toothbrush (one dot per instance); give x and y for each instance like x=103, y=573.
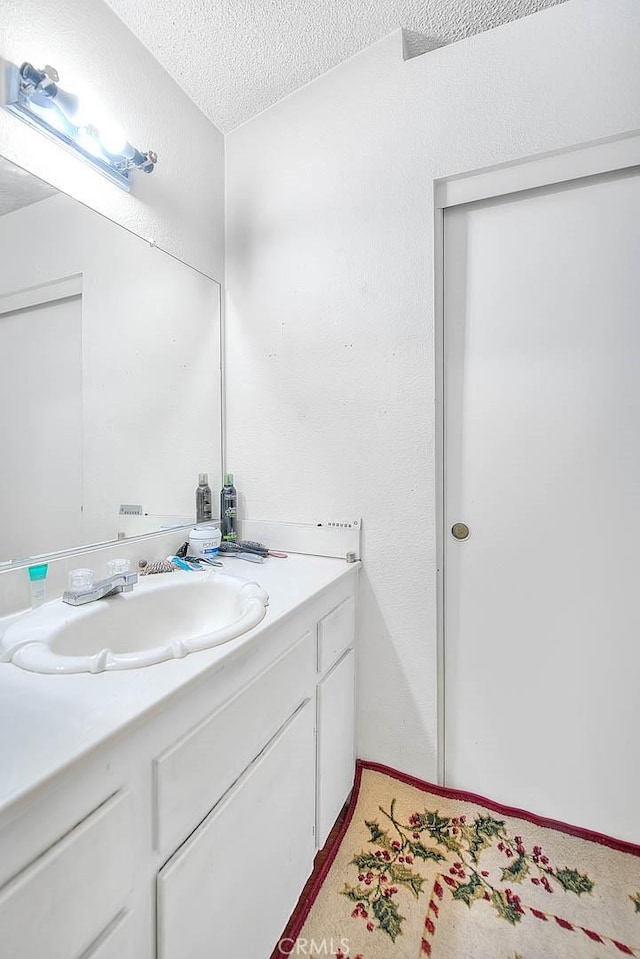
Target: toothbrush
x=181, y=563
x=197, y=560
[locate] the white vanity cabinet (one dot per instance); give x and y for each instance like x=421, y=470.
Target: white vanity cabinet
x=191, y=834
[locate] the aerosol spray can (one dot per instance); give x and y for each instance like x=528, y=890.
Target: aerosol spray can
x=229, y=510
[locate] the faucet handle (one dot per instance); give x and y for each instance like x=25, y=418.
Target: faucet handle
x=117, y=566
x=80, y=580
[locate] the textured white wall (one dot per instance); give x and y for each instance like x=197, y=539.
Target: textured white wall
x=181, y=205
x=330, y=300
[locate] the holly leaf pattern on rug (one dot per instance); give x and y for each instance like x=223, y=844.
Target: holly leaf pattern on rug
x=424, y=852
x=378, y=835
x=517, y=871
x=389, y=919
x=439, y=828
x=367, y=861
x=481, y=833
x=507, y=907
x=573, y=881
x=355, y=893
x=488, y=826
x=457, y=845
x=468, y=891
x=408, y=878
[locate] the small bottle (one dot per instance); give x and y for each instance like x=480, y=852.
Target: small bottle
x=38, y=581
x=229, y=510
x=203, y=499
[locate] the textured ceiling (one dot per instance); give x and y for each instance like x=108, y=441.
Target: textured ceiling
x=19, y=188
x=236, y=57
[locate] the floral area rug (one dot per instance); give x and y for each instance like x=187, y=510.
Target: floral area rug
x=418, y=870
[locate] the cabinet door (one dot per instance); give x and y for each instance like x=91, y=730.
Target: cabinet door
x=57, y=906
x=229, y=890
x=336, y=743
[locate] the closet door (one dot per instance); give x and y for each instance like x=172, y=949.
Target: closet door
x=542, y=464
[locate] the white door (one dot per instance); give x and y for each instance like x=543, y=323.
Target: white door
x=542, y=462
x=41, y=428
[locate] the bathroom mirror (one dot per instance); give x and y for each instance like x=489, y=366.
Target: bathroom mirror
x=109, y=377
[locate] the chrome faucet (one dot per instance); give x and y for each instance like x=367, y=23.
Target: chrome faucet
x=120, y=583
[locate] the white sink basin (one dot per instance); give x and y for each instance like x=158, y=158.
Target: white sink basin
x=164, y=617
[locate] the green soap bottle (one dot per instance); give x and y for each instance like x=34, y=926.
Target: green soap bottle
x=229, y=510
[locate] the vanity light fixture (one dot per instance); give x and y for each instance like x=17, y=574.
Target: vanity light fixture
x=35, y=96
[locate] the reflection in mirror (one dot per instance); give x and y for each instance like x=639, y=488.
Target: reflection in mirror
x=109, y=376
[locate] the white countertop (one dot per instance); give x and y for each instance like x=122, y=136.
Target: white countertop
x=50, y=721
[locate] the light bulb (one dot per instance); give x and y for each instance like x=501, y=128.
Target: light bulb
x=50, y=114
x=112, y=137
x=69, y=105
x=88, y=143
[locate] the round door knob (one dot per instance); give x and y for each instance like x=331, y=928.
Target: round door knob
x=460, y=531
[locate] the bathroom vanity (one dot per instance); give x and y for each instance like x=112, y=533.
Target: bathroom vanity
x=174, y=811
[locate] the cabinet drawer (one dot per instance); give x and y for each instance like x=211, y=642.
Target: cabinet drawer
x=336, y=632
x=335, y=744
x=229, y=891
x=58, y=906
x=196, y=771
